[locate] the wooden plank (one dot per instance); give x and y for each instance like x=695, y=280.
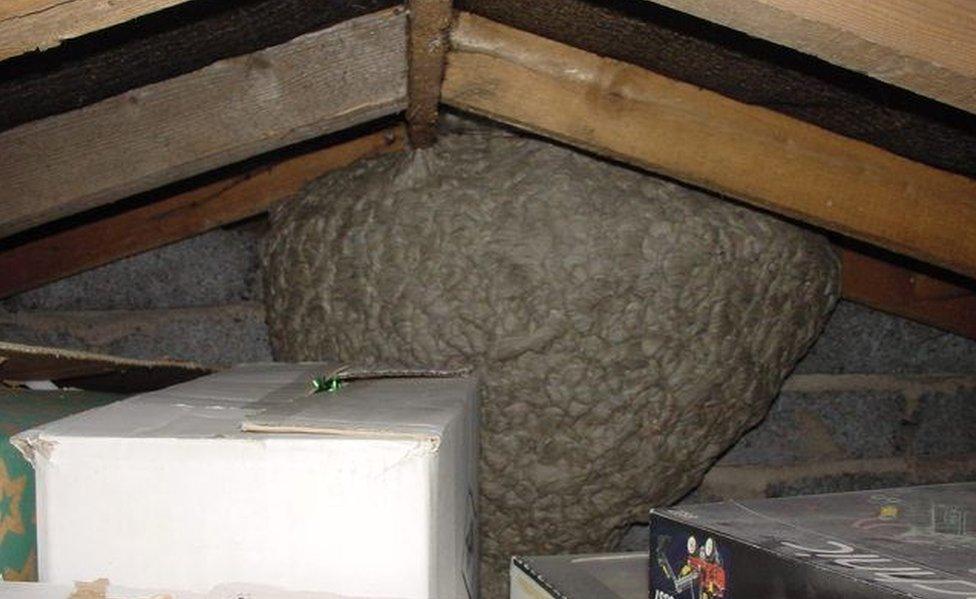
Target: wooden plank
x=233, y=109
x=747, y=152
x=179, y=216
x=750, y=70
x=927, y=46
x=156, y=47
x=20, y=363
x=429, y=23
x=903, y=291
x=27, y=25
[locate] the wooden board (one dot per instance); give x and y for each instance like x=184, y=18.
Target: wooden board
x=925, y=297
x=878, y=283
x=429, y=22
x=98, y=372
x=751, y=70
x=747, y=152
x=27, y=25
x=927, y=46
x=236, y=108
x=156, y=47
x=179, y=216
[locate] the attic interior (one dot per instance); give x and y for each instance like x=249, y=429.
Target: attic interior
x=305, y=299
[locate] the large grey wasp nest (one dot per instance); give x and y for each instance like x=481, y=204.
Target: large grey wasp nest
x=627, y=329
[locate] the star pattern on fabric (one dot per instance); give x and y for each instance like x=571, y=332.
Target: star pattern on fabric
x=11, y=495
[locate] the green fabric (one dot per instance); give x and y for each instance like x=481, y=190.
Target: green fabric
x=20, y=410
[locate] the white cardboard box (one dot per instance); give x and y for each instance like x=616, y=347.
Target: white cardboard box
x=89, y=590
x=369, y=491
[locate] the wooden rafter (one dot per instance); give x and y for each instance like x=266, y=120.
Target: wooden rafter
x=179, y=216
x=927, y=297
x=429, y=23
x=321, y=82
x=926, y=46
x=750, y=70
x=606, y=106
x=27, y=25
x=746, y=152
x=875, y=282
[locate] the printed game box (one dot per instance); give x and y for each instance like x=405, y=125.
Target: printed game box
x=892, y=543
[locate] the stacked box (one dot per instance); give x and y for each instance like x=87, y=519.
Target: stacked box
x=593, y=576
x=881, y=544
x=21, y=409
x=101, y=589
x=916, y=542
x=281, y=475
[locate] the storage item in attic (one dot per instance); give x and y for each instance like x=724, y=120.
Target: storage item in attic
x=366, y=488
x=892, y=543
x=596, y=576
x=21, y=409
x=101, y=589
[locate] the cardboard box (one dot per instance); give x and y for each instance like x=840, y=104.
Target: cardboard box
x=20, y=409
x=245, y=477
x=595, y=576
x=893, y=543
x=100, y=589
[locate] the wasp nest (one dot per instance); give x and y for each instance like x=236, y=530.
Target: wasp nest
x=627, y=329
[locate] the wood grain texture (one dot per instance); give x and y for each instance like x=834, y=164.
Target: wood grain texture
x=909, y=293
x=179, y=216
x=750, y=153
x=156, y=47
x=92, y=371
x=429, y=22
x=927, y=46
x=27, y=25
x=236, y=108
x=752, y=71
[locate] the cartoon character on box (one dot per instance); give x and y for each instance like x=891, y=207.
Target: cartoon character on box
x=702, y=575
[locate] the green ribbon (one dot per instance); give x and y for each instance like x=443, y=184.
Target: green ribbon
x=326, y=384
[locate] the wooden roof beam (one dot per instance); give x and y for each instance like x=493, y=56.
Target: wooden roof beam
x=867, y=279
x=321, y=82
x=171, y=219
x=918, y=294
x=749, y=153
x=926, y=46
x=27, y=25
x=429, y=23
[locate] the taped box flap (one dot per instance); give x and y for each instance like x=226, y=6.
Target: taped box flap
x=371, y=401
